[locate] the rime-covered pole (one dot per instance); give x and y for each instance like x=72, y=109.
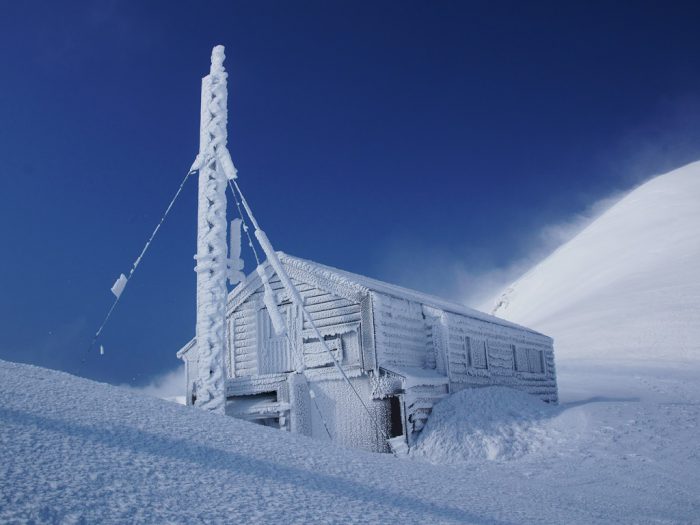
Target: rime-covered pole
x=211, y=238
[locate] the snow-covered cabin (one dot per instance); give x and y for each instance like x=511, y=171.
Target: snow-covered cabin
x=401, y=351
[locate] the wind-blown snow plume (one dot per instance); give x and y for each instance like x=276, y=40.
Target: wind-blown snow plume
x=211, y=238
x=627, y=287
x=166, y=386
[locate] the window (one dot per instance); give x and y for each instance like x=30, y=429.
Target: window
x=520, y=358
x=528, y=360
x=477, y=353
x=536, y=361
x=315, y=353
x=274, y=351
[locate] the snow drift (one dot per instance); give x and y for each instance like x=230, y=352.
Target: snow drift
x=627, y=287
x=493, y=423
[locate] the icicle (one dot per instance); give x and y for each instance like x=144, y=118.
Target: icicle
x=270, y=301
x=235, y=263
x=119, y=285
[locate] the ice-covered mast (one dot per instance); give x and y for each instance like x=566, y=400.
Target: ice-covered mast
x=213, y=268
x=214, y=164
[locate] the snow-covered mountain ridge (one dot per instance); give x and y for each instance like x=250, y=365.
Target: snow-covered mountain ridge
x=627, y=287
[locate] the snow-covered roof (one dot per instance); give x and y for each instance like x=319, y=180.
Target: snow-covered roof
x=417, y=376
x=349, y=279
x=353, y=285
x=186, y=348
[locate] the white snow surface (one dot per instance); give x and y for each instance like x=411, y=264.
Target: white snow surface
x=493, y=423
x=621, y=448
x=627, y=287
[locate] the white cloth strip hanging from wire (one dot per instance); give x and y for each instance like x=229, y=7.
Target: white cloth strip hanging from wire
x=235, y=263
x=245, y=224
x=120, y=284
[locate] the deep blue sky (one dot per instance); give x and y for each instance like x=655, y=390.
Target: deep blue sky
x=409, y=141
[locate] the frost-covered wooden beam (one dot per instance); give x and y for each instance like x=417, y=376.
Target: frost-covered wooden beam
x=211, y=238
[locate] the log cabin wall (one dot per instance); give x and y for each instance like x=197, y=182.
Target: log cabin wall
x=481, y=353
x=400, y=332
x=373, y=329
x=253, y=348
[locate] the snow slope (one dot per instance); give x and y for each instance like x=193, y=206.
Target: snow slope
x=76, y=451
x=627, y=287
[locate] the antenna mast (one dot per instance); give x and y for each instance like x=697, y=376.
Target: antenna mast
x=211, y=255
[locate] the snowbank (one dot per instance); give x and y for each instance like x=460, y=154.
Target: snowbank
x=76, y=451
x=493, y=423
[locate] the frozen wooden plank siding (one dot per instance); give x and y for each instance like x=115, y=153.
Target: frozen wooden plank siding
x=401, y=350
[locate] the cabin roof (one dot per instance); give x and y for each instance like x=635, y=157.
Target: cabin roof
x=346, y=278
x=343, y=281
x=416, y=376
x=188, y=346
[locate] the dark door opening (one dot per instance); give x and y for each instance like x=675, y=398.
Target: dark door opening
x=395, y=414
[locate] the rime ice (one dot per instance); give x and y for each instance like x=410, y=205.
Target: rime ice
x=401, y=351
x=212, y=268
x=235, y=263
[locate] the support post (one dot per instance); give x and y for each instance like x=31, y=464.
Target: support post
x=211, y=240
